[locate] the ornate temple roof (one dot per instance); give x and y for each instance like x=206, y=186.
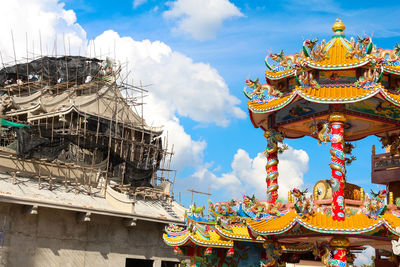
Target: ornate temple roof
x=200, y=235
x=363, y=81
x=339, y=54
x=239, y=223
x=339, y=94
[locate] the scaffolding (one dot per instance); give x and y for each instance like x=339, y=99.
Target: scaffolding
x=83, y=128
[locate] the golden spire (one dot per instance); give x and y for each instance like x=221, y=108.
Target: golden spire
x=338, y=26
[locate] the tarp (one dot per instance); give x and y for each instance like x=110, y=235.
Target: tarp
x=7, y=123
x=52, y=69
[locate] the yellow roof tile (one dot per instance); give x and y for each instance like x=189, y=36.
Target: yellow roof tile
x=275, y=225
x=215, y=240
x=321, y=223
x=325, y=94
x=238, y=232
x=176, y=240
x=358, y=223
x=276, y=75
x=392, y=69
x=337, y=56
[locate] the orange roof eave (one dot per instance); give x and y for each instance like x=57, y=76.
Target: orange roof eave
x=322, y=223
x=277, y=75
x=337, y=65
x=324, y=95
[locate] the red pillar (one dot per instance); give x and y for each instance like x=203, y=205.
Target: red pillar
x=337, y=165
x=339, y=246
x=272, y=177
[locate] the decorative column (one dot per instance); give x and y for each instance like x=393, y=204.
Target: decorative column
x=271, y=152
x=337, y=165
x=339, y=245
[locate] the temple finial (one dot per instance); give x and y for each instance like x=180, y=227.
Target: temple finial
x=338, y=26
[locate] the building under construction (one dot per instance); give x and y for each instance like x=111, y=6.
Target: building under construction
x=84, y=181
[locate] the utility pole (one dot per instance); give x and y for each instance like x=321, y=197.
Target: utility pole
x=198, y=192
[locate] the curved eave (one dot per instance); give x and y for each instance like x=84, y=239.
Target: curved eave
x=391, y=222
x=194, y=219
x=298, y=248
x=236, y=234
x=215, y=241
x=273, y=105
x=274, y=226
x=176, y=240
x=320, y=96
x=356, y=224
x=391, y=69
x=321, y=223
x=277, y=75
x=322, y=66
x=198, y=240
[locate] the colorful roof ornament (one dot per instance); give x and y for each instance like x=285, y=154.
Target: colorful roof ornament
x=335, y=91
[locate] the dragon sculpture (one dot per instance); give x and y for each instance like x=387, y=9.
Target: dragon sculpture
x=361, y=47
x=370, y=77
x=302, y=204
x=224, y=208
x=273, y=138
x=375, y=205
x=347, y=150
x=306, y=79
x=258, y=93
x=321, y=129
x=313, y=50
x=273, y=253
x=388, y=55
x=284, y=61
x=271, y=152
x=196, y=211
x=262, y=207
x=339, y=260
x=392, y=141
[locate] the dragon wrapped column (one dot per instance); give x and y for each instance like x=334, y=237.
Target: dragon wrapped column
x=339, y=246
x=271, y=152
x=337, y=165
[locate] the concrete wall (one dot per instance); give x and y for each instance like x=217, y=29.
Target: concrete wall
x=56, y=238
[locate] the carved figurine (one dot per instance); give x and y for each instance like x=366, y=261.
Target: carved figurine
x=284, y=61
x=258, y=92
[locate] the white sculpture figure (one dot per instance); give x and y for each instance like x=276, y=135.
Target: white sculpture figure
x=396, y=244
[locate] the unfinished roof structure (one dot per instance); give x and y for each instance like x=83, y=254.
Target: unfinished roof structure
x=72, y=139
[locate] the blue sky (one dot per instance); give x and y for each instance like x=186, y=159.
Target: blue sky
x=206, y=52
x=237, y=51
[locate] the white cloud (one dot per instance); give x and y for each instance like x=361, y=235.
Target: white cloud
x=201, y=19
x=137, y=3
x=179, y=85
x=364, y=258
x=39, y=18
x=248, y=174
x=183, y=87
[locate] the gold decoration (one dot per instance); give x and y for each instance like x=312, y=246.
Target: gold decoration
x=339, y=241
x=391, y=198
x=338, y=26
x=267, y=242
x=337, y=117
x=362, y=195
x=315, y=193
